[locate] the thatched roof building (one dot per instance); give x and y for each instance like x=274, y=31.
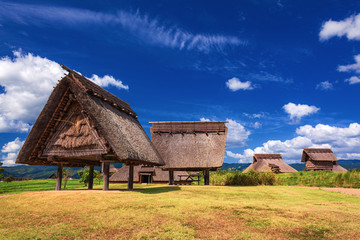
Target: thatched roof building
x=190, y=146
x=269, y=163
x=321, y=159
x=84, y=125
x=145, y=174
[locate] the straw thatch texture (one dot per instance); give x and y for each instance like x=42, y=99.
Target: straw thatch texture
x=82, y=124
x=190, y=145
x=156, y=173
x=269, y=163
x=321, y=159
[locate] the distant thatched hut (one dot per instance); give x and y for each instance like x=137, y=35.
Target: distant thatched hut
x=85, y=125
x=269, y=163
x=52, y=176
x=146, y=174
x=321, y=159
x=190, y=146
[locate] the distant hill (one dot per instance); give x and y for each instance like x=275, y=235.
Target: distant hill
x=41, y=172
x=348, y=164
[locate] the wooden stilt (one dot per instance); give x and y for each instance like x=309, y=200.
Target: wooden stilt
x=91, y=177
x=131, y=177
x=171, y=177
x=206, y=177
x=59, y=177
x=106, y=167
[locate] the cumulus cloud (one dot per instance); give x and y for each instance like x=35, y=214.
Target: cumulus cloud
x=326, y=85
x=344, y=142
x=353, y=80
x=11, y=150
x=351, y=67
x=234, y=84
x=349, y=27
x=354, y=68
x=204, y=119
x=297, y=111
x=142, y=26
x=237, y=134
x=256, y=125
x=27, y=81
x=108, y=80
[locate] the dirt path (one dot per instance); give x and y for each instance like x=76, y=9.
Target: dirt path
x=348, y=191
x=1, y=196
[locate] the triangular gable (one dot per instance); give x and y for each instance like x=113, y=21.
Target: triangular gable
x=75, y=136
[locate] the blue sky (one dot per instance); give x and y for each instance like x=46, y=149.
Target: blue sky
x=284, y=74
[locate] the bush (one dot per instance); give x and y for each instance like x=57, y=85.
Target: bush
x=237, y=178
x=84, y=174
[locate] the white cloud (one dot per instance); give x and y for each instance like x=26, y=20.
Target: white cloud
x=235, y=84
x=28, y=81
x=108, y=80
x=351, y=67
x=141, y=26
x=254, y=115
x=344, y=142
x=326, y=85
x=11, y=150
x=349, y=27
x=297, y=111
x=237, y=134
x=204, y=119
x=256, y=125
x=353, y=80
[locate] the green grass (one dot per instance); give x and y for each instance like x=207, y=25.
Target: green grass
x=36, y=185
x=350, y=179
x=185, y=212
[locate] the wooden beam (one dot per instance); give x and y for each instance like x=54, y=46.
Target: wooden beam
x=206, y=177
x=73, y=161
x=91, y=177
x=131, y=177
x=171, y=177
x=59, y=177
x=106, y=168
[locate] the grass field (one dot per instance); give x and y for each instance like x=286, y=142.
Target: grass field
x=36, y=185
x=186, y=212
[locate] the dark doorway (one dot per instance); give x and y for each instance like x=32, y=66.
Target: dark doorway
x=145, y=178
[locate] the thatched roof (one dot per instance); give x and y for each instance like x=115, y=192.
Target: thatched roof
x=158, y=175
x=83, y=124
x=190, y=145
x=269, y=163
x=318, y=154
x=321, y=159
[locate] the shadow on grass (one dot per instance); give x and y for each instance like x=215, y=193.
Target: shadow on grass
x=157, y=190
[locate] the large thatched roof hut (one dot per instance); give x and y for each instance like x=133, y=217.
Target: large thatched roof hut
x=321, y=159
x=269, y=163
x=84, y=125
x=146, y=174
x=190, y=146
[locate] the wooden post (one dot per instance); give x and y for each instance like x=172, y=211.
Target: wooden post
x=131, y=177
x=106, y=167
x=59, y=177
x=206, y=177
x=171, y=177
x=91, y=177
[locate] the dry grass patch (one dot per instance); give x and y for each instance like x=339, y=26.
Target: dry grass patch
x=187, y=212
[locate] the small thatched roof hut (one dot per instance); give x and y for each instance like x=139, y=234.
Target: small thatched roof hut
x=190, y=146
x=84, y=125
x=321, y=159
x=269, y=163
x=52, y=176
x=145, y=174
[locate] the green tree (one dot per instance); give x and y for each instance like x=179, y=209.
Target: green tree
x=9, y=178
x=1, y=170
x=84, y=174
x=66, y=175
